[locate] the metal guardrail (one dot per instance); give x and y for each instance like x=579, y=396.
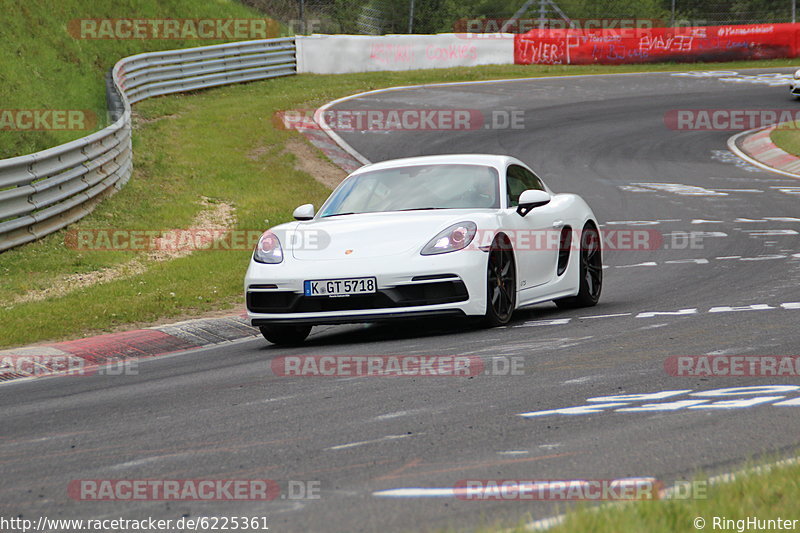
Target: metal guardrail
x=42, y=192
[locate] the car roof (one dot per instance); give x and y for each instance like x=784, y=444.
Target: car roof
x=497, y=161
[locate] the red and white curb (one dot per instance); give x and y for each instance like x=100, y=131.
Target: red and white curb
x=756, y=147
x=114, y=348
x=328, y=142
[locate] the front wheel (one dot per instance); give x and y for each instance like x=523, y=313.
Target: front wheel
x=285, y=335
x=591, y=272
x=501, y=284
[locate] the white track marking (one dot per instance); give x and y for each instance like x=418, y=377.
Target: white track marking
x=551, y=322
x=680, y=189
x=603, y=316
x=491, y=491
x=645, y=264
x=763, y=257
x=683, y=261
x=373, y=441
x=653, y=314
x=514, y=452
x=771, y=232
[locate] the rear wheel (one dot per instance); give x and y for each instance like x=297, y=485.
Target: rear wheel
x=501, y=284
x=591, y=271
x=284, y=335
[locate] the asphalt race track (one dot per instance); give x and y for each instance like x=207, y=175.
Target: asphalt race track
x=221, y=413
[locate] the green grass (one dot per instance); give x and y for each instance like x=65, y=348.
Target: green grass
x=787, y=137
x=43, y=67
x=197, y=145
x=766, y=493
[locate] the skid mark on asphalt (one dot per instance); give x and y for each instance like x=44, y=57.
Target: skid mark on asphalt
x=9, y=441
x=399, y=471
x=267, y=400
x=461, y=467
x=527, y=346
x=369, y=464
x=117, y=451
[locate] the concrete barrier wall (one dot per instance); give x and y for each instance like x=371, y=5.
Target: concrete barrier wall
x=340, y=54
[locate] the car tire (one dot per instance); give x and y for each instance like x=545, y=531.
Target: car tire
x=590, y=271
x=285, y=335
x=501, y=283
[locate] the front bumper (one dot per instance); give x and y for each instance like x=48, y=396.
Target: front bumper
x=794, y=87
x=422, y=286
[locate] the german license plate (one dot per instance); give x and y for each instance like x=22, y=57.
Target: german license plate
x=340, y=287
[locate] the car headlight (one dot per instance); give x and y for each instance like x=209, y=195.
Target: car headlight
x=797, y=74
x=456, y=237
x=268, y=249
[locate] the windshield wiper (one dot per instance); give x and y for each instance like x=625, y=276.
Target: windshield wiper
x=338, y=214
x=421, y=208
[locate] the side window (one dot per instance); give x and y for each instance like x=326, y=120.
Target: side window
x=519, y=179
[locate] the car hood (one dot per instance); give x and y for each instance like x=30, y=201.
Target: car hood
x=372, y=234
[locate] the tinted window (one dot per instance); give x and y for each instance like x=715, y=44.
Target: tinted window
x=442, y=186
x=520, y=179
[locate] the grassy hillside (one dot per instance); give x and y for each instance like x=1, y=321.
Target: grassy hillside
x=43, y=67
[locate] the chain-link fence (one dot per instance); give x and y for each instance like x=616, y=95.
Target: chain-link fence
x=378, y=17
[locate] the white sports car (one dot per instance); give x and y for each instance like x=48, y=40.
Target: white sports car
x=461, y=235
x=794, y=85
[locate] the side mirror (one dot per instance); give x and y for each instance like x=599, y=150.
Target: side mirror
x=530, y=199
x=304, y=212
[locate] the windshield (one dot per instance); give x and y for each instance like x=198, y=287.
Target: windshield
x=416, y=188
